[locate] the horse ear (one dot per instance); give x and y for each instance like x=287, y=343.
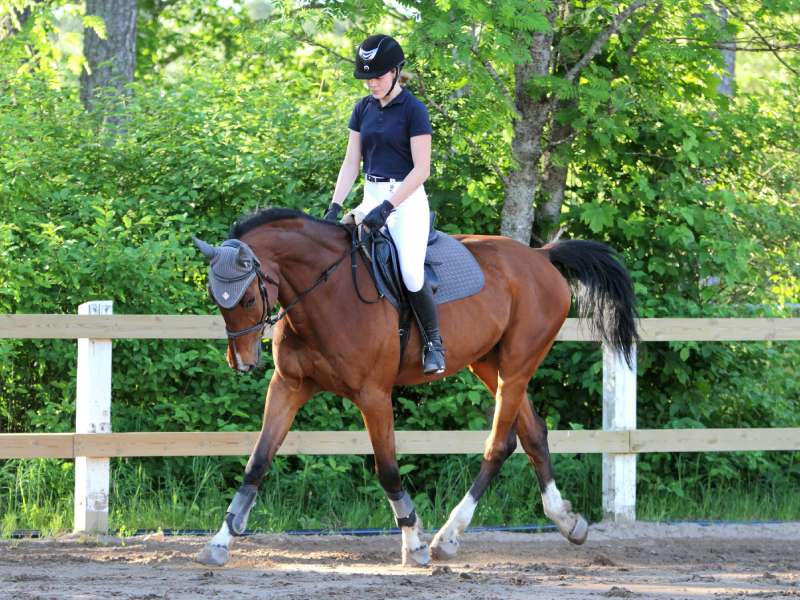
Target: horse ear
x=208, y=250
x=246, y=256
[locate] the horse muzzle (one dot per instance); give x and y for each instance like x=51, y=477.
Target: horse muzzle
x=243, y=364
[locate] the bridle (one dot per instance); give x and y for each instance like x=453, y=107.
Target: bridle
x=263, y=280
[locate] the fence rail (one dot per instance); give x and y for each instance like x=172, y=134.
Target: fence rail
x=240, y=443
x=213, y=327
x=93, y=444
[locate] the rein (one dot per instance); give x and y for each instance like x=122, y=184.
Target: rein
x=263, y=279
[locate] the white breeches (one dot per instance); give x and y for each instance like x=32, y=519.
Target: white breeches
x=409, y=225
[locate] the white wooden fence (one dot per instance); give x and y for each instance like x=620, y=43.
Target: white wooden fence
x=620, y=441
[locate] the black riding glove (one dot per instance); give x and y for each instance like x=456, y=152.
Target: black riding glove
x=333, y=212
x=376, y=218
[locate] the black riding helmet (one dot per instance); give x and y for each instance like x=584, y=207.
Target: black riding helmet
x=376, y=56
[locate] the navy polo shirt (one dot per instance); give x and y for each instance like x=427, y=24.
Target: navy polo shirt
x=386, y=132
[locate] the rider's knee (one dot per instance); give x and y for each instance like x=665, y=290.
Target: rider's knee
x=414, y=279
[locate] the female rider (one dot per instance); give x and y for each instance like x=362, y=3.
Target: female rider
x=391, y=133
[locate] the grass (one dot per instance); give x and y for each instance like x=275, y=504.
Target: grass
x=342, y=492
x=728, y=503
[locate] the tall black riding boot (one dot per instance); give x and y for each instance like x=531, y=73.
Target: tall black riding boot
x=425, y=309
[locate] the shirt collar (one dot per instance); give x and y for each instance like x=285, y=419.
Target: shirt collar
x=401, y=97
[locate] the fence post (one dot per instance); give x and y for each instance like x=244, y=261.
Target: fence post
x=619, y=414
x=93, y=415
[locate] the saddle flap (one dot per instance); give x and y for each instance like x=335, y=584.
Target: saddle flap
x=386, y=264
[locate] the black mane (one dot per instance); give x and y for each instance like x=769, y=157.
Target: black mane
x=268, y=215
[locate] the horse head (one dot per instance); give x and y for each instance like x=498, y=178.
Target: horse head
x=241, y=289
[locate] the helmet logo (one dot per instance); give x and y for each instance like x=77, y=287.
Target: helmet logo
x=367, y=54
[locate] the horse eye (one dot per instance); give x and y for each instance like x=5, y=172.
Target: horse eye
x=248, y=302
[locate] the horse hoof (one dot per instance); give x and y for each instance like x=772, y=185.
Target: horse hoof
x=212, y=555
x=442, y=549
x=418, y=557
x=579, y=531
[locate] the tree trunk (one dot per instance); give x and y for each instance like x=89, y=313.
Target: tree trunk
x=728, y=78
x=554, y=180
x=517, y=216
x=111, y=61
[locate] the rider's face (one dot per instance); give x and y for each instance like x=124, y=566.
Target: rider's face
x=379, y=86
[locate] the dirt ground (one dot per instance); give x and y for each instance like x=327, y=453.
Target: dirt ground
x=641, y=560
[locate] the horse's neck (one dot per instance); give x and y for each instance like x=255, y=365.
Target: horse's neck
x=302, y=253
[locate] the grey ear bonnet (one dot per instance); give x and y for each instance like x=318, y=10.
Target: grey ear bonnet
x=232, y=270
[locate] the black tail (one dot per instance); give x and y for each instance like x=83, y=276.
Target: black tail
x=603, y=290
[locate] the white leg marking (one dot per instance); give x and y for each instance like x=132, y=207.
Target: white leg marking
x=411, y=539
x=461, y=516
x=223, y=537
x=414, y=551
x=215, y=552
x=553, y=503
x=445, y=543
x=571, y=525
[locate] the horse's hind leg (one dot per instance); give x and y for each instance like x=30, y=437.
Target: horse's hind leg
x=532, y=433
x=283, y=401
x=501, y=444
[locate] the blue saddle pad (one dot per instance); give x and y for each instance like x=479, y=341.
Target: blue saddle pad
x=452, y=270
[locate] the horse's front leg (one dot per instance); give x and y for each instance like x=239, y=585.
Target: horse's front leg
x=284, y=399
x=379, y=420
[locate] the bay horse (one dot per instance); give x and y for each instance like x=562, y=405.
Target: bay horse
x=329, y=339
